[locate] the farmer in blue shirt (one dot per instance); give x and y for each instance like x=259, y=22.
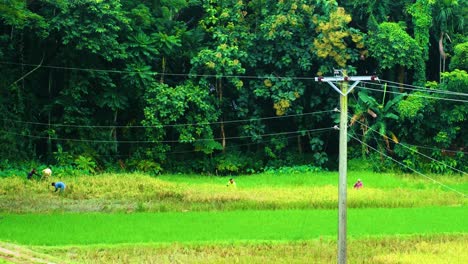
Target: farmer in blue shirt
x=59, y=185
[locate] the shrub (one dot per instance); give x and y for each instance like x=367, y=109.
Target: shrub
x=86, y=164
x=294, y=169
x=149, y=166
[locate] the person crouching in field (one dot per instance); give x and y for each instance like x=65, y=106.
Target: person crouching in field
x=32, y=173
x=231, y=183
x=358, y=184
x=46, y=173
x=59, y=185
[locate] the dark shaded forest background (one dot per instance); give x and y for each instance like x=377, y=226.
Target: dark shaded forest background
x=228, y=86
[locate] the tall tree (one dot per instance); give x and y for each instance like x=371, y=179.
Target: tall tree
x=421, y=12
x=19, y=26
x=448, y=19
x=225, y=23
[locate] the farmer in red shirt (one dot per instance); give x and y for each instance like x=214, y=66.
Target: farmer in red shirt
x=358, y=184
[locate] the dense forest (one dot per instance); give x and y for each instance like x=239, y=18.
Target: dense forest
x=228, y=86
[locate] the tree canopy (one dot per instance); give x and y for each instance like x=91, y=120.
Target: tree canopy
x=227, y=86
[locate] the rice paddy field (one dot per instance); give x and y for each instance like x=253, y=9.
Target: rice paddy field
x=266, y=218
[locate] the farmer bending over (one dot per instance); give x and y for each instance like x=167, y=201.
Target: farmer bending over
x=46, y=173
x=231, y=182
x=59, y=185
x=358, y=184
x=31, y=173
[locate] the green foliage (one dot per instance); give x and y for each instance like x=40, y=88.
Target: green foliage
x=334, y=37
x=86, y=164
x=185, y=69
x=412, y=105
x=390, y=45
x=409, y=158
x=460, y=58
x=441, y=164
x=443, y=134
x=144, y=165
x=421, y=12
x=15, y=13
x=376, y=120
x=62, y=158
x=449, y=16
x=187, y=105
x=292, y=170
x=236, y=163
x=97, y=28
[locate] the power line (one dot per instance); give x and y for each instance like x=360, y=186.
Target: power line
x=422, y=154
x=193, y=151
x=442, y=150
x=246, y=144
x=156, y=73
x=162, y=141
x=169, y=125
x=417, y=88
x=425, y=176
x=421, y=89
x=415, y=95
x=430, y=148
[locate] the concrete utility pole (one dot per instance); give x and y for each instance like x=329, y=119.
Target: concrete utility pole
x=341, y=76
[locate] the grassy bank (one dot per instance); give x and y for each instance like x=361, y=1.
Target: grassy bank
x=384, y=250
x=288, y=225
x=138, y=193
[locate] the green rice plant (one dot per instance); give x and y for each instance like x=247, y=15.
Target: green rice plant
x=249, y=225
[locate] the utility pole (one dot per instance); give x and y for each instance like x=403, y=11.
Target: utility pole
x=343, y=78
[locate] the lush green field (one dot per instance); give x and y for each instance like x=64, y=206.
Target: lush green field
x=281, y=225
x=267, y=218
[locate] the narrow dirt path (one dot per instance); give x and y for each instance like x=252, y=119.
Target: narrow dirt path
x=17, y=254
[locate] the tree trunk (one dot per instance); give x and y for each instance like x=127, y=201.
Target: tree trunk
x=114, y=131
x=219, y=86
x=443, y=55
x=299, y=144
x=49, y=140
x=401, y=77
x=163, y=69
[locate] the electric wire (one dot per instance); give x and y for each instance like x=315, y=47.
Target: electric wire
x=160, y=141
x=419, y=89
x=169, y=125
x=243, y=145
x=415, y=95
x=442, y=150
x=417, y=172
x=195, y=151
x=165, y=74
x=422, y=154
x=429, y=148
